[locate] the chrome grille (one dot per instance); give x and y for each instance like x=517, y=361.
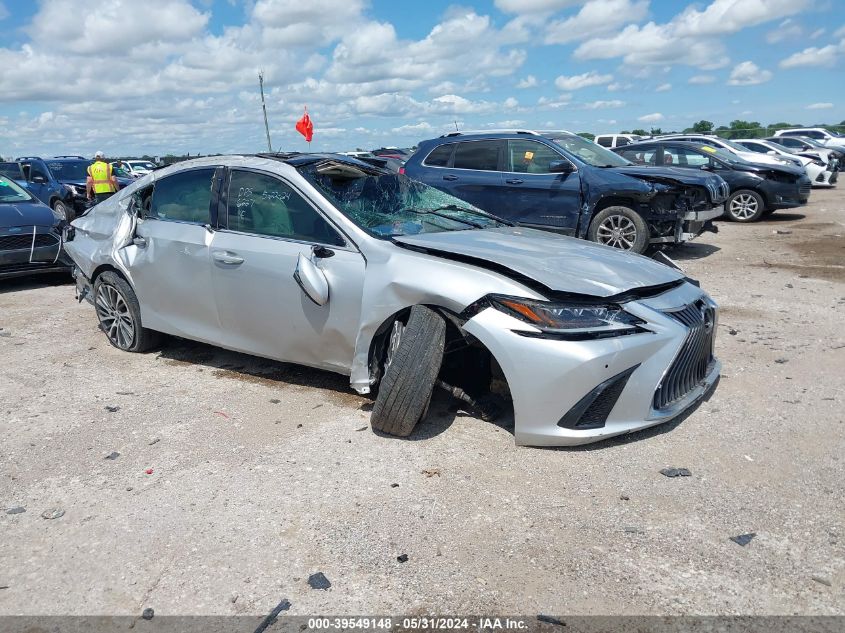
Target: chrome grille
x=693, y=361
x=24, y=241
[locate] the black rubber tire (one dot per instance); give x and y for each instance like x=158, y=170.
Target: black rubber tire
x=64, y=210
x=641, y=238
x=761, y=206
x=405, y=391
x=142, y=339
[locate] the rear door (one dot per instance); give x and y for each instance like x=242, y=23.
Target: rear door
x=265, y=225
x=169, y=258
x=534, y=196
x=473, y=174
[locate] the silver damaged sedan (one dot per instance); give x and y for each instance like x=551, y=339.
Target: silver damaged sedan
x=327, y=261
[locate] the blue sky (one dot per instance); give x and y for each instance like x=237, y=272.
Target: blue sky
x=181, y=75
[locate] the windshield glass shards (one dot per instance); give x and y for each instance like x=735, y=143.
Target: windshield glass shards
x=389, y=205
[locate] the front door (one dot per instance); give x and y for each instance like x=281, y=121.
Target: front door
x=532, y=195
x=262, y=309
x=169, y=258
x=474, y=175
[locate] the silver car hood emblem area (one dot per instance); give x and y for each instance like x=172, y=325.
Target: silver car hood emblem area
x=560, y=263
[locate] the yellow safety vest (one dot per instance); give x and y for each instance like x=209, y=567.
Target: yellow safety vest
x=101, y=173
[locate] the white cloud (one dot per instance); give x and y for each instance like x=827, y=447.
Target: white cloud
x=534, y=6
x=701, y=79
x=748, y=74
x=576, y=82
x=423, y=127
x=617, y=86
x=818, y=33
x=602, y=105
x=510, y=103
x=651, y=118
x=663, y=87
x=820, y=106
x=596, y=17
x=692, y=37
x=786, y=30
x=528, y=82
x=813, y=56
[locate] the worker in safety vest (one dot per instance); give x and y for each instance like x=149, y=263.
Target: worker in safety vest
x=101, y=182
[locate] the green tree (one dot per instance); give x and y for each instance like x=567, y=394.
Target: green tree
x=702, y=127
x=655, y=131
x=639, y=132
x=745, y=129
x=587, y=135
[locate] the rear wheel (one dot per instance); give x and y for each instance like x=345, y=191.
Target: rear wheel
x=63, y=210
x=120, y=314
x=412, y=361
x=745, y=205
x=620, y=227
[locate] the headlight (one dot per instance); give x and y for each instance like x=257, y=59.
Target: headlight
x=73, y=189
x=570, y=320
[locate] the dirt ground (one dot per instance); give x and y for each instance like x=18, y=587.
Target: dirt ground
x=264, y=473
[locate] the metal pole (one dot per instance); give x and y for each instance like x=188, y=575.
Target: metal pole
x=264, y=107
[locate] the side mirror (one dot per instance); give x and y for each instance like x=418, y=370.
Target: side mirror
x=312, y=280
x=561, y=167
x=706, y=167
x=39, y=180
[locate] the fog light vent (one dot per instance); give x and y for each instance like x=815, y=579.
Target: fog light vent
x=592, y=410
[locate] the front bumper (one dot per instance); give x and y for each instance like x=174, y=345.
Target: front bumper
x=781, y=195
x=550, y=378
x=690, y=225
x=31, y=250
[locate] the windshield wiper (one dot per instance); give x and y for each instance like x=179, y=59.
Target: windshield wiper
x=479, y=213
x=442, y=215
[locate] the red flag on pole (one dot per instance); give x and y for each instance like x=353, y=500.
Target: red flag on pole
x=305, y=127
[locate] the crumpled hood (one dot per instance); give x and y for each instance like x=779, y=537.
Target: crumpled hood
x=564, y=264
x=25, y=214
x=686, y=176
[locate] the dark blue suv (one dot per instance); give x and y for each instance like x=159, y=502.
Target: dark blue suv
x=59, y=182
x=39, y=179
x=561, y=182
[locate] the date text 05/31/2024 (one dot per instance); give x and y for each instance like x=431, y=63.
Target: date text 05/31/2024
x=411, y=623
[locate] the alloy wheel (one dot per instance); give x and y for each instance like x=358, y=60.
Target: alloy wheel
x=744, y=206
x=617, y=231
x=115, y=319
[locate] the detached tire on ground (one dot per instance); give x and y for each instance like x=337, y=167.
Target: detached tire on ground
x=620, y=227
x=119, y=314
x=414, y=356
x=745, y=205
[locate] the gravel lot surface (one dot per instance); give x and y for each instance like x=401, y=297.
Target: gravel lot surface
x=194, y=480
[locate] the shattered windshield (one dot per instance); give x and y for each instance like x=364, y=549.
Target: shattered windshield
x=389, y=205
x=589, y=152
x=12, y=192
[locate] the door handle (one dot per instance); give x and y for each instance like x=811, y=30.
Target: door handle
x=225, y=257
x=140, y=242
x=514, y=181
x=450, y=177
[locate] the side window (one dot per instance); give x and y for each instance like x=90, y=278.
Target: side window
x=37, y=170
x=140, y=202
x=480, y=155
x=264, y=205
x=440, y=156
x=605, y=141
x=682, y=157
x=817, y=135
x=530, y=157
x=641, y=156
x=183, y=197
x=621, y=140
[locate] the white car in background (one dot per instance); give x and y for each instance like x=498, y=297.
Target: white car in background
x=735, y=148
x=817, y=169
x=617, y=140
x=820, y=134
x=138, y=168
